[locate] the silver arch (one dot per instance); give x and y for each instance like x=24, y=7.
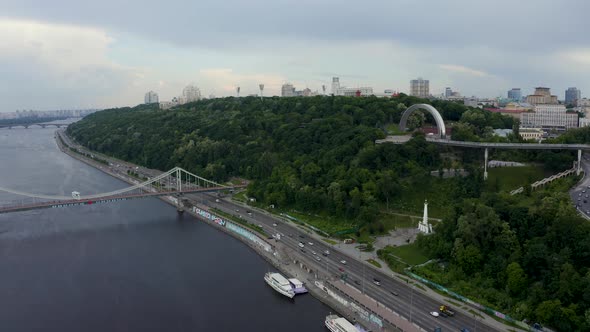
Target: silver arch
x=440, y=124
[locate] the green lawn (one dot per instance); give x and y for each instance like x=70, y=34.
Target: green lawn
x=438, y=192
x=240, y=197
x=510, y=178
x=328, y=224
x=409, y=254
x=393, y=129
x=374, y=262
x=393, y=221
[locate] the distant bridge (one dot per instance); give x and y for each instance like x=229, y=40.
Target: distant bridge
x=27, y=125
x=175, y=183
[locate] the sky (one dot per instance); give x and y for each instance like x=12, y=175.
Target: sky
x=63, y=54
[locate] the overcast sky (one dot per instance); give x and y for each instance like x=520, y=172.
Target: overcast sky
x=81, y=54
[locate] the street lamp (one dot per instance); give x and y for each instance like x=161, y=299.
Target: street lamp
x=411, y=302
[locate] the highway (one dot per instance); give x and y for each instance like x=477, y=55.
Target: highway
x=409, y=301
x=580, y=194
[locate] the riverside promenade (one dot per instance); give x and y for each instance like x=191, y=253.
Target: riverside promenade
x=358, y=307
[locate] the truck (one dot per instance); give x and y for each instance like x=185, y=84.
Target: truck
x=446, y=310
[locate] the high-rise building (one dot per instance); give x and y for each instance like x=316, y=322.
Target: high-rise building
x=420, y=88
x=191, y=93
x=151, y=98
x=287, y=90
x=448, y=92
x=335, y=85
x=542, y=96
x=514, y=94
x=572, y=95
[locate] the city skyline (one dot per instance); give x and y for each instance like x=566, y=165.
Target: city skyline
x=74, y=55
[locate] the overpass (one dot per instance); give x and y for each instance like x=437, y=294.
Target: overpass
x=441, y=139
x=175, y=183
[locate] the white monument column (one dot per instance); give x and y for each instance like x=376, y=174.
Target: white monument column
x=424, y=226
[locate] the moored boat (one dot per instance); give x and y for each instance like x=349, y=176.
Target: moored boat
x=339, y=324
x=279, y=283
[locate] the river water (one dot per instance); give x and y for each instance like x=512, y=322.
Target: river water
x=123, y=266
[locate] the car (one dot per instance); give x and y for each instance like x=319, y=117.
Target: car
x=343, y=262
x=434, y=314
x=313, y=252
x=584, y=191
x=377, y=281
x=301, y=245
x=303, y=250
x=586, y=195
x=394, y=293
x=249, y=213
x=237, y=210
x=290, y=235
x=301, y=236
x=260, y=225
x=275, y=225
x=327, y=252
x=317, y=258
x=310, y=243
x=340, y=269
x=357, y=282
x=217, y=200
x=585, y=201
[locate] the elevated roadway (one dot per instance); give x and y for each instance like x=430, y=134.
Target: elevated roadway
x=488, y=145
x=409, y=301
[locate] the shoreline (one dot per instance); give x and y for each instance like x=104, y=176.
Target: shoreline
x=295, y=267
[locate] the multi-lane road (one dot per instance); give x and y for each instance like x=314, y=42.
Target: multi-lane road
x=395, y=294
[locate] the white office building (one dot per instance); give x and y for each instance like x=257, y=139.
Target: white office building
x=151, y=98
x=338, y=90
x=549, y=117
x=190, y=93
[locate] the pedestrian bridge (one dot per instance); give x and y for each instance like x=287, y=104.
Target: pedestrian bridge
x=175, y=183
x=441, y=139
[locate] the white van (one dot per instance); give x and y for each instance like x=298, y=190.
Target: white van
x=301, y=245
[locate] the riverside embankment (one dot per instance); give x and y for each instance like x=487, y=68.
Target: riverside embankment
x=357, y=306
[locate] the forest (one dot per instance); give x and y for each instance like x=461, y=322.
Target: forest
x=318, y=154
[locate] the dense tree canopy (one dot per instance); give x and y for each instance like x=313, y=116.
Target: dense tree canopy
x=318, y=154
x=534, y=262
x=309, y=153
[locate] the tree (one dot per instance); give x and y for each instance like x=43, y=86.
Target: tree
x=515, y=278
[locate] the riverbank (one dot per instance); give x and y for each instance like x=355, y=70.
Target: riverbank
x=358, y=307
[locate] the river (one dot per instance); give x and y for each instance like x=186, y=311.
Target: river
x=123, y=266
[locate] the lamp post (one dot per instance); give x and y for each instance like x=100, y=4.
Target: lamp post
x=411, y=302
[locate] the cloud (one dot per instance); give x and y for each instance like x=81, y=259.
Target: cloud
x=463, y=70
x=56, y=65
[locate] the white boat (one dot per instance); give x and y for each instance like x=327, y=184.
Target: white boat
x=297, y=286
x=339, y=324
x=279, y=283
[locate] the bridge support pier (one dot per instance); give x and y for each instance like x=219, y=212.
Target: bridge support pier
x=485, y=165
x=579, y=165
